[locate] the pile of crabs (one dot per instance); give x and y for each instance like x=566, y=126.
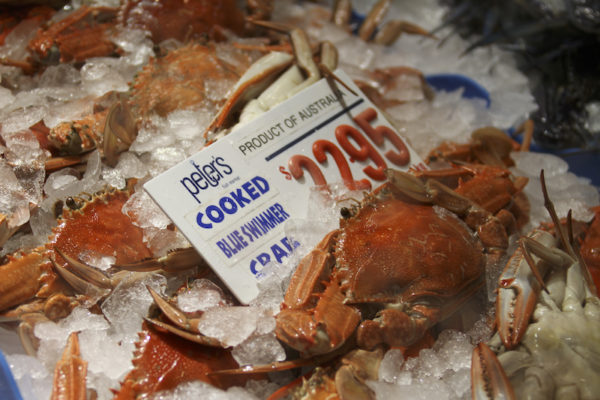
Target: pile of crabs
x=407, y=257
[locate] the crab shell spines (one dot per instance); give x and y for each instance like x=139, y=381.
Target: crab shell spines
x=99, y=227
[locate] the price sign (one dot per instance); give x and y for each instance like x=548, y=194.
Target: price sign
x=232, y=199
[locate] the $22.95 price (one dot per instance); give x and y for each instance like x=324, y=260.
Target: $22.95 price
x=345, y=135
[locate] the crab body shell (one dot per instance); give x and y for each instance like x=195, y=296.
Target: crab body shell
x=163, y=360
x=393, y=251
x=397, y=265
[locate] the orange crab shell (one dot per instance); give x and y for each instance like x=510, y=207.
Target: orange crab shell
x=181, y=19
x=100, y=227
x=395, y=251
x=182, y=79
x=163, y=360
x=81, y=35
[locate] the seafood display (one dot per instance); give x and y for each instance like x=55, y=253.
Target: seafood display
x=393, y=289
x=533, y=335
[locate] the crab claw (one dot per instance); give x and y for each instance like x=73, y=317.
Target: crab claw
x=185, y=327
x=488, y=379
x=519, y=289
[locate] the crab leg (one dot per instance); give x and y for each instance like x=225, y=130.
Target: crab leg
x=22, y=279
x=259, y=76
x=70, y=373
x=488, y=379
x=174, y=261
x=518, y=291
x=186, y=327
x=326, y=326
x=489, y=228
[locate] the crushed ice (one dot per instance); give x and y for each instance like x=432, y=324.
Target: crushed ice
x=63, y=93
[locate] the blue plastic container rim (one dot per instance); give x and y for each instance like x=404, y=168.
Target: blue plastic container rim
x=582, y=162
x=452, y=82
x=8, y=387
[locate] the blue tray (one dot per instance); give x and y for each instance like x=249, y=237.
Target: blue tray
x=8, y=386
x=582, y=162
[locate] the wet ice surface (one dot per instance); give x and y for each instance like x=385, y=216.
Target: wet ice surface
x=442, y=372
x=64, y=93
x=566, y=190
x=106, y=342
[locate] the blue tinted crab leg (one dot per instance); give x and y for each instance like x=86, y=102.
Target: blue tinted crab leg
x=185, y=327
x=518, y=291
x=488, y=379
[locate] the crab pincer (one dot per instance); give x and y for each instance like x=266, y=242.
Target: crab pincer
x=533, y=325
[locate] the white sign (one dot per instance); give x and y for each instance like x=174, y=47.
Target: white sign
x=232, y=199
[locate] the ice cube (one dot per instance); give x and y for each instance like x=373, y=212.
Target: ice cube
x=391, y=365
x=6, y=97
x=60, y=75
x=202, y=390
x=128, y=303
x=531, y=163
x=99, y=77
x=416, y=391
x=217, y=322
x=22, y=118
x=15, y=43
x=259, y=350
x=144, y=212
x=201, y=295
x=32, y=377
x=68, y=111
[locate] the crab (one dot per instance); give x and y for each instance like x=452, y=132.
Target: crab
x=89, y=31
x=395, y=267
x=33, y=274
x=179, y=80
x=182, y=79
x=547, y=341
x=590, y=248
x=162, y=361
x=49, y=281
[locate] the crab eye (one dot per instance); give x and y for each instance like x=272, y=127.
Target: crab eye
x=58, y=208
x=72, y=203
x=345, y=212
